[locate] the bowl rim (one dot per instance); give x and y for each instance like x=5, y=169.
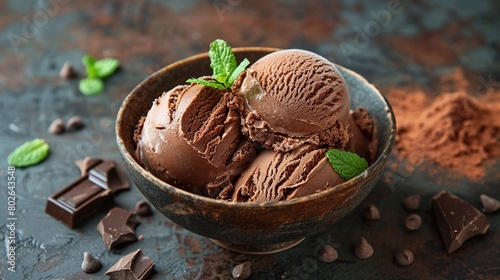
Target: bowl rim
x=126, y=155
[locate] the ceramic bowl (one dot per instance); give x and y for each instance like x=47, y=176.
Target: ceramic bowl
x=250, y=227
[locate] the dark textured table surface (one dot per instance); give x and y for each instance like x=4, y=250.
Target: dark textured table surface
x=389, y=42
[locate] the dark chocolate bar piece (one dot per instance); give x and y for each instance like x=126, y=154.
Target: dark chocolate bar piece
x=118, y=227
x=78, y=201
x=457, y=220
x=89, y=194
x=134, y=266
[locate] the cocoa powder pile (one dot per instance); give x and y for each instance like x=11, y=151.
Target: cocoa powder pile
x=457, y=129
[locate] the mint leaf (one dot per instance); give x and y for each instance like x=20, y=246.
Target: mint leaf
x=89, y=63
x=206, y=83
x=105, y=67
x=29, y=153
x=348, y=165
x=91, y=86
x=222, y=61
x=237, y=72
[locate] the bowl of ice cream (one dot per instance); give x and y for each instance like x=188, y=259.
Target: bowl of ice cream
x=239, y=178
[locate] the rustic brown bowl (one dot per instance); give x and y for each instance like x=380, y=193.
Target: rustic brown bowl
x=250, y=227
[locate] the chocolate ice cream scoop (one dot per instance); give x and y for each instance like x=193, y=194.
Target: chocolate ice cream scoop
x=295, y=97
x=274, y=176
x=190, y=138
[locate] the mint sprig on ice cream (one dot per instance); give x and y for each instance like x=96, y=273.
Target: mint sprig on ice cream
x=348, y=165
x=224, y=66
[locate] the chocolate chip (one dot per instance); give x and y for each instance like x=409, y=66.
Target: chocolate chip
x=412, y=202
x=413, y=222
x=57, y=126
x=74, y=123
x=490, y=205
x=404, y=258
x=371, y=213
x=67, y=71
x=142, y=208
x=363, y=250
x=242, y=271
x=90, y=264
x=328, y=254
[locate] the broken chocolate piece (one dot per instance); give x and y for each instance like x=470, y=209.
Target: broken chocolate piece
x=74, y=123
x=371, y=213
x=490, y=205
x=242, y=271
x=457, y=220
x=404, y=258
x=328, y=254
x=90, y=264
x=118, y=227
x=67, y=71
x=142, y=208
x=78, y=201
x=413, y=222
x=57, y=126
x=87, y=163
x=363, y=250
x=134, y=266
x=411, y=202
x=108, y=175
x=87, y=195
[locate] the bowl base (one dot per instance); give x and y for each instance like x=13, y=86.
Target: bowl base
x=258, y=248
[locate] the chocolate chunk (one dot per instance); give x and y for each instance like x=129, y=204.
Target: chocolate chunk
x=87, y=195
x=67, y=71
x=74, y=123
x=134, y=266
x=90, y=264
x=242, y=271
x=413, y=222
x=404, y=258
x=78, y=201
x=57, y=126
x=457, y=220
x=142, y=208
x=412, y=202
x=328, y=254
x=108, y=175
x=371, y=213
x=490, y=205
x=363, y=250
x=118, y=227
x=87, y=163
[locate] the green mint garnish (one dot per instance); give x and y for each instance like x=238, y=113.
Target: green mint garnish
x=91, y=86
x=29, y=153
x=224, y=66
x=348, y=165
x=97, y=70
x=106, y=67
